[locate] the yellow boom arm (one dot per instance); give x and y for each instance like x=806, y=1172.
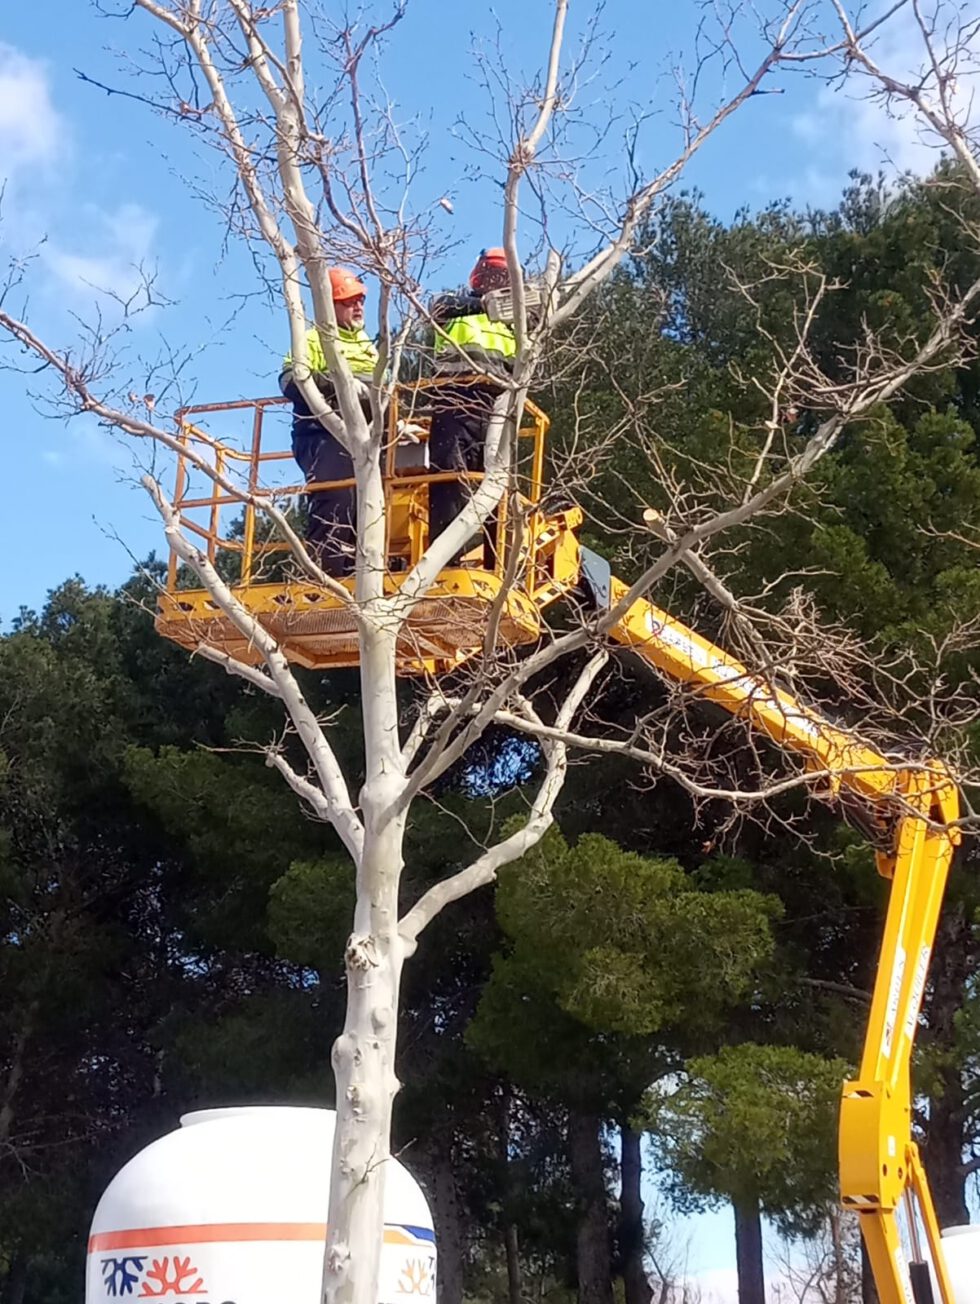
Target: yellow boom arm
x=914, y=811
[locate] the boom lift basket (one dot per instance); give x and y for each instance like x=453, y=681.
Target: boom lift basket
x=220, y=480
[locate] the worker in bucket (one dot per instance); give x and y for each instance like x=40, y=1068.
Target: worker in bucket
x=468, y=344
x=321, y=456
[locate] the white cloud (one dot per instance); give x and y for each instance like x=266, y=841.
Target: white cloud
x=87, y=250
x=848, y=126
x=32, y=132
x=87, y=444
x=109, y=259
x=862, y=135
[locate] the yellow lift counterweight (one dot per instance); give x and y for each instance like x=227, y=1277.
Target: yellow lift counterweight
x=912, y=812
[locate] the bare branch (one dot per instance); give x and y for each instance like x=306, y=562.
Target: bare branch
x=341, y=812
x=484, y=870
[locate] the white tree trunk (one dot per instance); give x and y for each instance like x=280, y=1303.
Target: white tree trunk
x=364, y=1069
x=364, y=1053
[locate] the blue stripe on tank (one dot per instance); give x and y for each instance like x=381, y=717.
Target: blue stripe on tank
x=420, y=1233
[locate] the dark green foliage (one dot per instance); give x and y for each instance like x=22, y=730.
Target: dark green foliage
x=139, y=974
x=753, y=1124
x=626, y=943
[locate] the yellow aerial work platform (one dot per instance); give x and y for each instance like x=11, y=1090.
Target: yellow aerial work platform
x=911, y=811
x=315, y=628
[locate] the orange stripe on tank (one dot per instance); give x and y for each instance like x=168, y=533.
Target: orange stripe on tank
x=202, y=1234
x=212, y=1233
x=394, y=1236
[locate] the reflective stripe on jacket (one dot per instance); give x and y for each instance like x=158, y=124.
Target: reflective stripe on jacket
x=487, y=345
x=356, y=346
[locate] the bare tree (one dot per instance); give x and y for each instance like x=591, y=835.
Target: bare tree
x=306, y=164
x=821, y=1269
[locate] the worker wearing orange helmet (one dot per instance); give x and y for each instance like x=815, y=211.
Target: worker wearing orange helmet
x=331, y=523
x=470, y=344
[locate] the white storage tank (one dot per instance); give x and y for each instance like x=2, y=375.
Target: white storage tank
x=232, y=1209
x=961, y=1250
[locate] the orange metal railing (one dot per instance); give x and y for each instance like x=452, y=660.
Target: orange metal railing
x=234, y=475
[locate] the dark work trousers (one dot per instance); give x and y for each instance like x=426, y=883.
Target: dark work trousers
x=460, y=414
x=330, y=529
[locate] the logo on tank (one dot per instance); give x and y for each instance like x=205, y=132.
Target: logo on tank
x=417, y=1277
x=417, y=1270
x=142, y=1276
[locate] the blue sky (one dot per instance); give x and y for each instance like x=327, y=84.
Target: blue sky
x=95, y=185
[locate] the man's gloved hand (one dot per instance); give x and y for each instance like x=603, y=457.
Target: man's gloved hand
x=409, y=433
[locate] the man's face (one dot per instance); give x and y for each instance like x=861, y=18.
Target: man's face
x=350, y=313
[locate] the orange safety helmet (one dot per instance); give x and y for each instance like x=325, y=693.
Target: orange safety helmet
x=489, y=262
x=345, y=285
